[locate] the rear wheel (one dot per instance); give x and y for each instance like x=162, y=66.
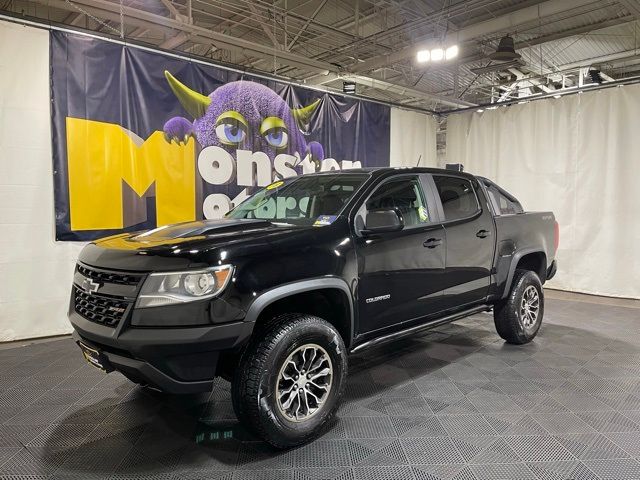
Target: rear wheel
x=290, y=380
x=519, y=316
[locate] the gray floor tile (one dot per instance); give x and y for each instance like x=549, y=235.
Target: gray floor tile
x=457, y=404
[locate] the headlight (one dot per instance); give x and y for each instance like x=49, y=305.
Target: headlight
x=180, y=287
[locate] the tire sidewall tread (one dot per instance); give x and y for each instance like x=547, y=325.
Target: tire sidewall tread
x=505, y=313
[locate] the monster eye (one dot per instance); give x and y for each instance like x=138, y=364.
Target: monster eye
x=277, y=137
x=231, y=128
x=231, y=132
x=275, y=132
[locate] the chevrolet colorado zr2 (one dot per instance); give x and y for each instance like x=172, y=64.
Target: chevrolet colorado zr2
x=275, y=296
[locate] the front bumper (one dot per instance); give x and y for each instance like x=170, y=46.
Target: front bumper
x=175, y=360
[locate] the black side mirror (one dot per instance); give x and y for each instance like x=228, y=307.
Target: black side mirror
x=381, y=221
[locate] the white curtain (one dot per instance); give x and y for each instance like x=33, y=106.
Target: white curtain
x=35, y=271
x=413, y=139
x=578, y=156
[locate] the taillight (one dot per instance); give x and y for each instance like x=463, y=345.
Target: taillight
x=556, y=236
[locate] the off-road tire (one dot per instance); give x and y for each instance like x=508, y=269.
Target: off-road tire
x=506, y=313
x=254, y=386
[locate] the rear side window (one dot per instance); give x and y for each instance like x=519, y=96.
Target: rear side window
x=457, y=196
x=502, y=204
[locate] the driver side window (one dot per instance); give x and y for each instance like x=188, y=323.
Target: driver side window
x=404, y=195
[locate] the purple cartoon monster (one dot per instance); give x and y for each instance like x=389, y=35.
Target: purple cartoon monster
x=242, y=115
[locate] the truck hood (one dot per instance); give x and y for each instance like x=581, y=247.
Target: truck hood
x=184, y=245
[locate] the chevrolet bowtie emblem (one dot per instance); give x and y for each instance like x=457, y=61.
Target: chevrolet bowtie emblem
x=89, y=286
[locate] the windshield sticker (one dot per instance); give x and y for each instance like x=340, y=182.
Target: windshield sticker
x=274, y=185
x=325, y=220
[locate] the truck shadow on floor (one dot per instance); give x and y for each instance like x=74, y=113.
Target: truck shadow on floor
x=132, y=430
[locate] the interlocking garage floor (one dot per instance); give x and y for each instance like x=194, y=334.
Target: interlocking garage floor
x=454, y=403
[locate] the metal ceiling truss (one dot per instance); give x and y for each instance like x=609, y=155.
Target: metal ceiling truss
x=374, y=42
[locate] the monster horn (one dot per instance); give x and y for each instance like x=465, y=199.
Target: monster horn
x=193, y=102
x=303, y=115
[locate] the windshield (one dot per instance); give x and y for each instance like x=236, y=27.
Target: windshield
x=305, y=200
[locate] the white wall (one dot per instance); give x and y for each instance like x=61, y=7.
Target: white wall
x=579, y=157
x=413, y=138
x=35, y=271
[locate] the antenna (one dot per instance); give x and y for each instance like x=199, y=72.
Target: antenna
x=419, y=158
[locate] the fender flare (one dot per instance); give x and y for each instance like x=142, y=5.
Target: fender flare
x=270, y=296
x=514, y=263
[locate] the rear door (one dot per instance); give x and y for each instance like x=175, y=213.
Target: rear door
x=470, y=234
x=400, y=272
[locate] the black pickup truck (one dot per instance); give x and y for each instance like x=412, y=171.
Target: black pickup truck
x=276, y=295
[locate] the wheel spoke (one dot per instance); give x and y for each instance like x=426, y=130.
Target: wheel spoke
x=323, y=387
x=299, y=405
x=311, y=360
x=292, y=396
x=318, y=401
x=316, y=365
x=306, y=402
x=295, y=367
x=322, y=373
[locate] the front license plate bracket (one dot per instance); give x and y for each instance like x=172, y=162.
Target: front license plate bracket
x=95, y=357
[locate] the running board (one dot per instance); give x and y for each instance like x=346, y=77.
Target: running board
x=418, y=328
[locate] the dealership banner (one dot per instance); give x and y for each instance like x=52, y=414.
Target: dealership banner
x=142, y=139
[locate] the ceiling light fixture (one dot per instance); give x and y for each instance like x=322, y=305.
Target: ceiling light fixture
x=424, y=56
x=506, y=50
x=437, y=54
x=349, y=87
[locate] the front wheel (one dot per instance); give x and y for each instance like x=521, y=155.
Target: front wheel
x=290, y=380
x=519, y=316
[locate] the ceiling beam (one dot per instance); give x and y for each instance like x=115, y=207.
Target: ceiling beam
x=633, y=6
x=175, y=41
x=401, y=90
x=172, y=9
x=306, y=24
x=610, y=58
x=76, y=19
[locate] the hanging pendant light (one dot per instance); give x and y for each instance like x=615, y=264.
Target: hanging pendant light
x=506, y=50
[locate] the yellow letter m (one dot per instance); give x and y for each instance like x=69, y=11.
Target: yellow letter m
x=112, y=171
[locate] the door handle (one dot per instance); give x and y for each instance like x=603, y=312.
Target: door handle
x=483, y=233
x=432, y=242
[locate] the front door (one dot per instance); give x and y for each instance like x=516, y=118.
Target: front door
x=471, y=240
x=400, y=272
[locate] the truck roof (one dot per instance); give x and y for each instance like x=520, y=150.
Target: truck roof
x=381, y=171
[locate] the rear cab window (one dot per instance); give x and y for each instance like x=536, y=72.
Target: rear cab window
x=501, y=202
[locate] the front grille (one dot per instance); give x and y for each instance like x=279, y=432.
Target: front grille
x=112, y=298
x=103, y=310
x=102, y=276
